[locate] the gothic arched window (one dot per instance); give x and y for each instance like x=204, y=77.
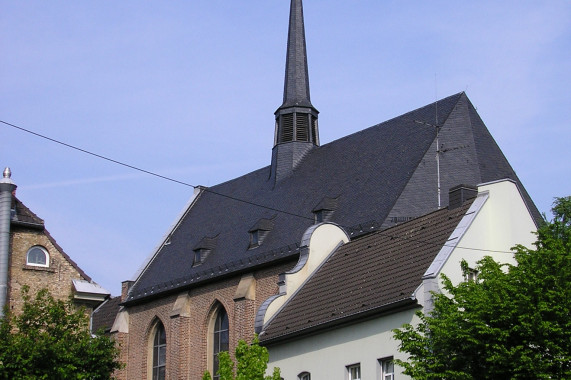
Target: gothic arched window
x=220, y=339
x=159, y=352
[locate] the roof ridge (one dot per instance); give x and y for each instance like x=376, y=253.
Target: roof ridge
x=67, y=257
x=267, y=167
x=427, y=106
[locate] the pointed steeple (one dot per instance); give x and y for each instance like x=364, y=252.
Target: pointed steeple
x=296, y=119
x=296, y=84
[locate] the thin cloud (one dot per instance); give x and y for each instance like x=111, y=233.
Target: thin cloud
x=83, y=181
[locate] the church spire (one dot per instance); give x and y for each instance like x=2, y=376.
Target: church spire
x=296, y=130
x=296, y=86
x=296, y=119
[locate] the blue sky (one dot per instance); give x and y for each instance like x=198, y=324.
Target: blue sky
x=188, y=89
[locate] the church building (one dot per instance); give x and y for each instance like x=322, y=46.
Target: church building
x=206, y=285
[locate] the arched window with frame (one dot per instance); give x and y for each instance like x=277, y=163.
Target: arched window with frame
x=220, y=338
x=38, y=256
x=159, y=352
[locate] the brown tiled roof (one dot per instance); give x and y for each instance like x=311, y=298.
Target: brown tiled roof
x=367, y=276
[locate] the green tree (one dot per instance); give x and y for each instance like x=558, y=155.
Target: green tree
x=252, y=362
x=512, y=323
x=50, y=339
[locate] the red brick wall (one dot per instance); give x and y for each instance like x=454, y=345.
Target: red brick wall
x=187, y=343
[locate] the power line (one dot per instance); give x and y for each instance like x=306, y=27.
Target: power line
x=224, y=195
x=97, y=155
x=150, y=172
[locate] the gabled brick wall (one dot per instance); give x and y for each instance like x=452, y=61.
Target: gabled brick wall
x=57, y=277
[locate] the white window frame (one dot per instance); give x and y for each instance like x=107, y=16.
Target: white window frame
x=45, y=252
x=471, y=275
x=386, y=373
x=354, y=371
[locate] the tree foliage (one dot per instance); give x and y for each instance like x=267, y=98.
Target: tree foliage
x=512, y=323
x=251, y=362
x=50, y=339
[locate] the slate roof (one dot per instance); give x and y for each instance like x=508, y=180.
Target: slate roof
x=296, y=84
x=22, y=215
x=385, y=172
x=370, y=275
x=103, y=317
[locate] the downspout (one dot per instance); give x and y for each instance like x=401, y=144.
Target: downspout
x=7, y=187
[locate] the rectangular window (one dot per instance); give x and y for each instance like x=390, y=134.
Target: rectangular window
x=354, y=372
x=387, y=368
x=471, y=275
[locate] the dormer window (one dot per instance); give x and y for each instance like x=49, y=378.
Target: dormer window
x=322, y=216
x=260, y=231
x=255, y=238
x=318, y=216
x=202, y=250
x=200, y=256
x=324, y=210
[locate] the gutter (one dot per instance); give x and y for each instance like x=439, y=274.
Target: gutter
x=358, y=317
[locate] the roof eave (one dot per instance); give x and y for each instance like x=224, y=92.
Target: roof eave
x=394, y=307
x=206, y=281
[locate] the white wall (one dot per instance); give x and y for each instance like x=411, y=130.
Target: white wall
x=501, y=223
x=326, y=356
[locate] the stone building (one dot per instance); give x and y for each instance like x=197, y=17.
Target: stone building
x=31, y=257
x=212, y=277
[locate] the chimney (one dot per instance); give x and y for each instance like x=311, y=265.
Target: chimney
x=125, y=287
x=7, y=187
x=459, y=194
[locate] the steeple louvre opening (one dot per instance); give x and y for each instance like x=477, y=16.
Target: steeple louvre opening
x=297, y=126
x=301, y=127
x=286, y=131
x=314, y=134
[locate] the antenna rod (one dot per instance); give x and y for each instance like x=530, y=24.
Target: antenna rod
x=437, y=132
x=438, y=163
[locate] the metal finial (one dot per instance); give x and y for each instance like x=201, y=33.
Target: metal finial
x=7, y=173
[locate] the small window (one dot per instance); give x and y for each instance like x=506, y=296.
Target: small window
x=471, y=275
x=354, y=372
x=322, y=216
x=38, y=256
x=200, y=256
x=255, y=238
x=304, y=376
x=260, y=231
x=387, y=368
